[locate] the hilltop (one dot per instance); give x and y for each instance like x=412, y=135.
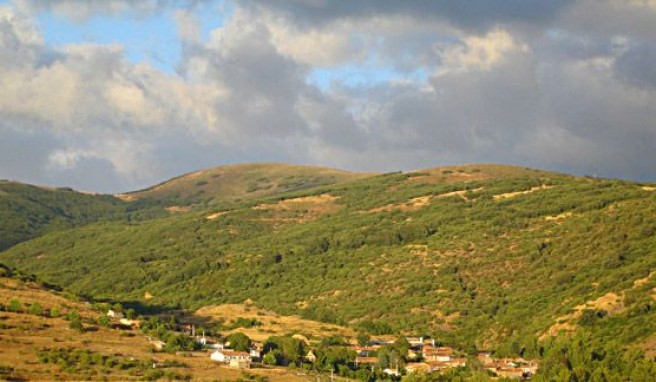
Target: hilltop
x=240, y=182
x=482, y=256
x=28, y=211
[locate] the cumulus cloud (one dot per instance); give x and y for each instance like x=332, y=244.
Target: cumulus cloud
x=560, y=85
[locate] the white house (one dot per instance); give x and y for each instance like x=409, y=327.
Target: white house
x=234, y=358
x=255, y=354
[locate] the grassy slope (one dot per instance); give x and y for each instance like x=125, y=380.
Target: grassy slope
x=241, y=182
x=478, y=255
x=24, y=335
x=28, y=211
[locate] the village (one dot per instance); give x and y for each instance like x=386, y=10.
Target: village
x=391, y=358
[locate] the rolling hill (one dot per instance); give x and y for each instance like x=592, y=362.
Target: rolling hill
x=478, y=256
x=240, y=182
x=28, y=211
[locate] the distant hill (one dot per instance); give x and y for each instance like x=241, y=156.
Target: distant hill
x=477, y=256
x=28, y=211
x=240, y=182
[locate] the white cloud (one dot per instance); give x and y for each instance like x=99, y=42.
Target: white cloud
x=570, y=90
x=479, y=53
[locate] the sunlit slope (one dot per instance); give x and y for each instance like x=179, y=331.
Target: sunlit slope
x=240, y=182
x=478, y=255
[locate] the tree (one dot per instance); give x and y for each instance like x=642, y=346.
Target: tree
x=54, y=312
x=75, y=322
x=35, y=309
x=14, y=305
x=239, y=341
x=130, y=313
x=103, y=320
x=363, y=339
x=272, y=357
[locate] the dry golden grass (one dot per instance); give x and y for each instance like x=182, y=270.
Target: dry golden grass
x=412, y=205
x=562, y=216
x=178, y=209
x=423, y=201
x=517, y=193
x=272, y=323
x=611, y=302
x=23, y=336
x=216, y=215
x=300, y=209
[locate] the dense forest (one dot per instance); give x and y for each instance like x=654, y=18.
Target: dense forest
x=481, y=257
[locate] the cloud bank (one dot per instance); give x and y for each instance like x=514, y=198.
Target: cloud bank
x=367, y=85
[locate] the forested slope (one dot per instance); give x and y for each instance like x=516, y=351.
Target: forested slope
x=482, y=257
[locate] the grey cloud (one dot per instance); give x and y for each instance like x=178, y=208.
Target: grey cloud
x=556, y=98
x=24, y=152
x=637, y=66
x=263, y=85
x=478, y=15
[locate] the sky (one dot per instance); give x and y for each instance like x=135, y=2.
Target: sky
x=116, y=95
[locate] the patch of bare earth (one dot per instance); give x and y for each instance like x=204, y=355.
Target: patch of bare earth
x=611, y=302
x=517, y=193
x=216, y=215
x=559, y=217
x=462, y=194
x=300, y=209
x=126, y=197
x=178, y=209
x=412, y=205
x=648, y=188
x=422, y=201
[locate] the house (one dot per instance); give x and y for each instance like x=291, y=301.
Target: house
x=441, y=354
x=366, y=361
x=418, y=367
x=236, y=359
x=114, y=314
x=457, y=362
x=255, y=354
x=392, y=372
x=485, y=358
x=364, y=351
x=415, y=341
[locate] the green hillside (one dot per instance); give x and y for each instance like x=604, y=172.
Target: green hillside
x=478, y=256
x=28, y=211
